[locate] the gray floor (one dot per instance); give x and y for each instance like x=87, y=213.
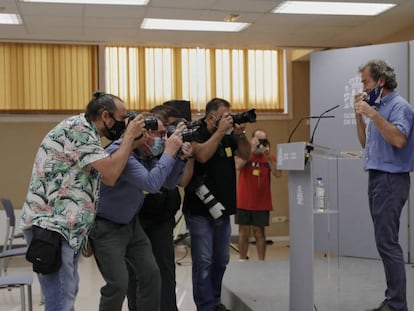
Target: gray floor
x=249, y=285
x=341, y=284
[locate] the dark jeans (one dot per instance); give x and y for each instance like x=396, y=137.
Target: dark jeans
x=161, y=237
x=387, y=195
x=118, y=248
x=210, y=251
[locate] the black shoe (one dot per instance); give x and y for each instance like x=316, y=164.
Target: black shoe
x=382, y=307
x=221, y=307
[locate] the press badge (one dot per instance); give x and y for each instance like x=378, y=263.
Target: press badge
x=228, y=152
x=256, y=172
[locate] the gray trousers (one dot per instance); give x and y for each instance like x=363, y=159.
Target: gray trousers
x=387, y=195
x=117, y=248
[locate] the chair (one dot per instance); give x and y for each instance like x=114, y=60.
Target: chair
x=19, y=281
x=15, y=280
x=8, y=251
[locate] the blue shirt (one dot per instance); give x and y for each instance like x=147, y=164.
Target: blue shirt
x=121, y=202
x=379, y=154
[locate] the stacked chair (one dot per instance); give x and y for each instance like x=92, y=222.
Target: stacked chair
x=9, y=250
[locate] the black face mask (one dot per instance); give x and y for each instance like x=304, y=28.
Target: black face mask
x=116, y=131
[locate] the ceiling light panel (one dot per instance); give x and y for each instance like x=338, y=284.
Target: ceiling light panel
x=332, y=8
x=109, y=2
x=10, y=19
x=192, y=25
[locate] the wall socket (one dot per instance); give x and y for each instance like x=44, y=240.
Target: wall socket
x=279, y=219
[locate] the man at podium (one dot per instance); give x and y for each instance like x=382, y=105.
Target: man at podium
x=385, y=128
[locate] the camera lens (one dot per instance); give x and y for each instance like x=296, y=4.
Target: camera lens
x=151, y=124
x=245, y=117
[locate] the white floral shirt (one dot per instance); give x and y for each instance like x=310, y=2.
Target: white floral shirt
x=63, y=190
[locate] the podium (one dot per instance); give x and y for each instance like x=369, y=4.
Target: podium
x=297, y=158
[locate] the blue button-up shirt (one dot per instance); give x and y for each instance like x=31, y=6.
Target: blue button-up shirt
x=379, y=154
x=121, y=202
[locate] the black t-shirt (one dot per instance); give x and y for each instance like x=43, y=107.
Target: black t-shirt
x=218, y=174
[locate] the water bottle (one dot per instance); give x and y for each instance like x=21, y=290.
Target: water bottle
x=320, y=194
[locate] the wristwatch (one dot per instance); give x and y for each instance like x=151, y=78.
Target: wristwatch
x=242, y=134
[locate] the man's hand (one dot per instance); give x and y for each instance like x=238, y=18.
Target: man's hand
x=186, y=151
x=362, y=108
x=239, y=128
x=173, y=143
x=225, y=123
x=136, y=127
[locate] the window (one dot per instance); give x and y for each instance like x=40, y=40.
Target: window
x=46, y=77
x=246, y=78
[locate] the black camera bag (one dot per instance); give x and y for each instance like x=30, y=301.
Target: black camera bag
x=45, y=251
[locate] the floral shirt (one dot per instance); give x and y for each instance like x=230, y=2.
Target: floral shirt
x=63, y=190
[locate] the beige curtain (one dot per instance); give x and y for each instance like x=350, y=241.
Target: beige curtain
x=46, y=77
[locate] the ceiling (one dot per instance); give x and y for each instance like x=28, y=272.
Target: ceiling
x=115, y=24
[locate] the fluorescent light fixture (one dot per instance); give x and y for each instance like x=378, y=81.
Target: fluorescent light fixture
x=332, y=8
x=191, y=25
x=13, y=19
x=110, y=2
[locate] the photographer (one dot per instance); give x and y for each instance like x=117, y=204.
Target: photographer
x=213, y=180
x=157, y=215
x=254, y=200
x=69, y=165
x=120, y=244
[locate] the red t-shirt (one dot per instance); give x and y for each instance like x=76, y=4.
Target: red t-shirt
x=253, y=189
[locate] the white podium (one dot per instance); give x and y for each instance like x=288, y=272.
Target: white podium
x=297, y=158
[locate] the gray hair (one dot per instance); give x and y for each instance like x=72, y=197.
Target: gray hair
x=380, y=69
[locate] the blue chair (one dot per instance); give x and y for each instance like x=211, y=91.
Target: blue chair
x=8, y=250
x=19, y=280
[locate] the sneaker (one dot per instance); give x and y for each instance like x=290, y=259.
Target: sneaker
x=221, y=307
x=382, y=307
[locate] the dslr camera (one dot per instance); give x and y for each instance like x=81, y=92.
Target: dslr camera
x=189, y=134
x=244, y=117
x=263, y=142
x=150, y=123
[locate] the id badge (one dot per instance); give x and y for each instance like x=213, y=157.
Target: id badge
x=228, y=151
x=256, y=172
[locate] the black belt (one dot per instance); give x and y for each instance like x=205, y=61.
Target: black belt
x=383, y=172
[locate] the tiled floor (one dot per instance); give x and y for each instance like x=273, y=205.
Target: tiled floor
x=91, y=281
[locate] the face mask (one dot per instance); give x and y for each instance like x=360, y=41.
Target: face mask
x=374, y=96
x=116, y=131
x=158, y=147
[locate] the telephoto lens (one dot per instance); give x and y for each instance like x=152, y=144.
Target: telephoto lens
x=244, y=117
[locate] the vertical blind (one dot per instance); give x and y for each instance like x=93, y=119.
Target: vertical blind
x=43, y=77
x=247, y=78
x=53, y=77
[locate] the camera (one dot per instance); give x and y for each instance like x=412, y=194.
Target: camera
x=214, y=206
x=188, y=135
x=188, y=124
x=244, y=117
x=150, y=123
x=263, y=142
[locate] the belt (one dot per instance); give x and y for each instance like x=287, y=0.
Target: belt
x=383, y=172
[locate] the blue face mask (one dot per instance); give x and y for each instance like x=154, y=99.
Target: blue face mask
x=158, y=147
x=374, y=96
